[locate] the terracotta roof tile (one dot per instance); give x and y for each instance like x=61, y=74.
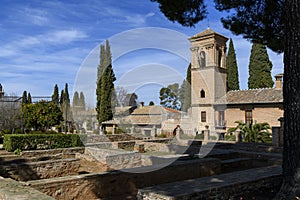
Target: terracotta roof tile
x=264, y=95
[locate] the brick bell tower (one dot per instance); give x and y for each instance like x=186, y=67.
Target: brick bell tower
x=208, y=76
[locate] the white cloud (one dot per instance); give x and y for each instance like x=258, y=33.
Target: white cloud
x=64, y=36
x=41, y=41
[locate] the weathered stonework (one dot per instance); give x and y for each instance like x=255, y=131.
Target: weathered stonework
x=13, y=190
x=237, y=185
x=41, y=170
x=116, y=159
x=118, y=183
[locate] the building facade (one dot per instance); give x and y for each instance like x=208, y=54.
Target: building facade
x=212, y=107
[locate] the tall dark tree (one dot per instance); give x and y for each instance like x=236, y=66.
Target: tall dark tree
x=186, y=92
x=66, y=94
x=169, y=96
x=55, y=95
x=131, y=99
x=75, y=102
x=275, y=24
x=82, y=101
x=24, y=97
x=260, y=68
x=29, y=100
x=105, y=85
x=232, y=69
x=62, y=97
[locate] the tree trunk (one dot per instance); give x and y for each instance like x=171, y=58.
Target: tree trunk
x=290, y=188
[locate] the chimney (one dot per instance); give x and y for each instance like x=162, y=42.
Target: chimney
x=141, y=104
x=279, y=81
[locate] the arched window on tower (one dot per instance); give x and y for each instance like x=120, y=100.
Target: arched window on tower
x=220, y=58
x=202, y=93
x=202, y=59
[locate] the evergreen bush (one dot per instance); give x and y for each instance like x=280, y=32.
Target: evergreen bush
x=40, y=141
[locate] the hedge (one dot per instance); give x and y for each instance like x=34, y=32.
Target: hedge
x=12, y=142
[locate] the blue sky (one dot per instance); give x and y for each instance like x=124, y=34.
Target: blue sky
x=43, y=43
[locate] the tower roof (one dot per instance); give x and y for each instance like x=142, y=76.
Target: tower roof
x=206, y=33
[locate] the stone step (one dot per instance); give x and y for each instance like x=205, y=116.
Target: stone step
x=222, y=186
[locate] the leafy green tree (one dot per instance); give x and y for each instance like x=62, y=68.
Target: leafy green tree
x=259, y=68
x=24, y=97
x=258, y=132
x=55, y=95
x=41, y=115
x=272, y=23
x=232, y=69
x=29, y=100
x=105, y=85
x=169, y=96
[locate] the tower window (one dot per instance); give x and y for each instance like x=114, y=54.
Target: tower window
x=202, y=94
x=220, y=58
x=202, y=59
x=203, y=116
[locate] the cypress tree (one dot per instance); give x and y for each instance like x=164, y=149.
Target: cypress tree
x=105, y=85
x=100, y=69
x=62, y=97
x=24, y=97
x=55, y=95
x=232, y=69
x=29, y=100
x=65, y=106
x=75, y=101
x=187, y=91
x=66, y=94
x=259, y=68
x=82, y=101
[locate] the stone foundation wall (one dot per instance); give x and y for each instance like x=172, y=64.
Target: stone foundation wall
x=116, y=159
x=116, y=183
x=49, y=152
x=40, y=170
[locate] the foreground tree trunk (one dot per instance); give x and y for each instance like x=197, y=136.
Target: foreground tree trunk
x=291, y=91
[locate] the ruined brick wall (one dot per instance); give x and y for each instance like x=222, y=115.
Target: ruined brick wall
x=108, y=184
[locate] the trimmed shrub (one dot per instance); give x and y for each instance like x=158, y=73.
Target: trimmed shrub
x=40, y=141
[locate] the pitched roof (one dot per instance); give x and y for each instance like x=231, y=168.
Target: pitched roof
x=263, y=95
x=153, y=110
x=206, y=32
x=146, y=115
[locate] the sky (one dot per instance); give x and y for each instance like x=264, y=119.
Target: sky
x=43, y=43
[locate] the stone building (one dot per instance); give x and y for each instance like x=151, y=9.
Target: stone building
x=146, y=120
x=212, y=107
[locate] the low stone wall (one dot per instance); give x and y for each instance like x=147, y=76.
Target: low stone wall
x=49, y=152
x=110, y=138
x=126, y=145
x=115, y=159
x=10, y=189
x=116, y=183
x=40, y=170
x=261, y=183
x=187, y=148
